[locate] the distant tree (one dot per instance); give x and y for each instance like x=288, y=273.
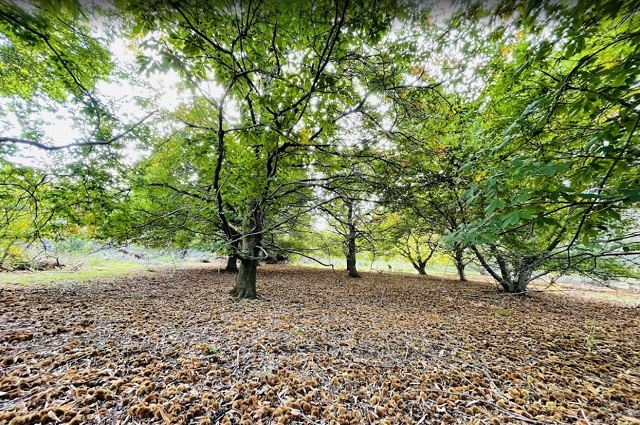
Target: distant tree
x=400, y=233
x=434, y=138
x=344, y=218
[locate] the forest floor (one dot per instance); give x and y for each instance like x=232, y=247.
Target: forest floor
x=318, y=348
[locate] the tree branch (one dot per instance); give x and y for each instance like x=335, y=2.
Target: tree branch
x=42, y=146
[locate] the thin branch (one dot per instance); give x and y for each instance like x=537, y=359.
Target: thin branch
x=42, y=146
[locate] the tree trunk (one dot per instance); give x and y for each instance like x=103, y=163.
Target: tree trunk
x=508, y=286
x=459, y=261
x=460, y=268
x=351, y=259
x=524, y=277
x=420, y=266
x=351, y=244
x=232, y=264
x=518, y=284
x=512, y=283
x=246, y=279
x=486, y=266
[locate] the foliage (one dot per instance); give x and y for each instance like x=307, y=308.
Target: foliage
x=49, y=60
x=509, y=131
x=554, y=191
x=38, y=208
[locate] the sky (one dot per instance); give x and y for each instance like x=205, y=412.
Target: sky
x=58, y=126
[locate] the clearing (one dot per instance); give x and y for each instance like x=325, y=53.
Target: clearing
x=172, y=347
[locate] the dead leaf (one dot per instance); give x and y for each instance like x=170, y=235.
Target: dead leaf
x=313, y=351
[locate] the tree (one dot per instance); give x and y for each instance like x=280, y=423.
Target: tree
x=50, y=61
x=401, y=233
x=264, y=90
x=346, y=189
x=558, y=187
x=344, y=218
x=519, y=143
x=434, y=138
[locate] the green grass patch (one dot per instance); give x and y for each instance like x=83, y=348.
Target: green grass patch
x=75, y=273
x=393, y=265
x=619, y=297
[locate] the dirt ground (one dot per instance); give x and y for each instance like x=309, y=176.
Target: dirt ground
x=318, y=348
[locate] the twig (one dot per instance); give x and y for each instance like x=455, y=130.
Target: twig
x=480, y=400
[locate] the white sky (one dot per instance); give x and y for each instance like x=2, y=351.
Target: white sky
x=60, y=129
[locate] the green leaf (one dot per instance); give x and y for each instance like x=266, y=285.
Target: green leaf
x=510, y=219
x=524, y=214
x=496, y=204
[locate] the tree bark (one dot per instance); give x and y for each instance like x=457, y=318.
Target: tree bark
x=232, y=264
x=351, y=258
x=458, y=259
x=508, y=286
x=525, y=271
x=246, y=279
x=486, y=265
x=524, y=278
x=517, y=283
x=512, y=282
x=419, y=265
x=351, y=244
x=503, y=280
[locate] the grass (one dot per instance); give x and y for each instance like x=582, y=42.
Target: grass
x=101, y=266
x=85, y=272
x=395, y=265
x=83, y=265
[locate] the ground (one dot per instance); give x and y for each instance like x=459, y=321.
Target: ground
x=173, y=347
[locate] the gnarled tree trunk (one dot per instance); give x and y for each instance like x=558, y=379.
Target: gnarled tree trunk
x=420, y=266
x=246, y=279
x=351, y=244
x=458, y=259
x=512, y=281
x=523, y=276
x=517, y=284
x=248, y=254
x=232, y=264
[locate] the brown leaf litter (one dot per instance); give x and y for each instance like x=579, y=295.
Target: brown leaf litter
x=318, y=348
